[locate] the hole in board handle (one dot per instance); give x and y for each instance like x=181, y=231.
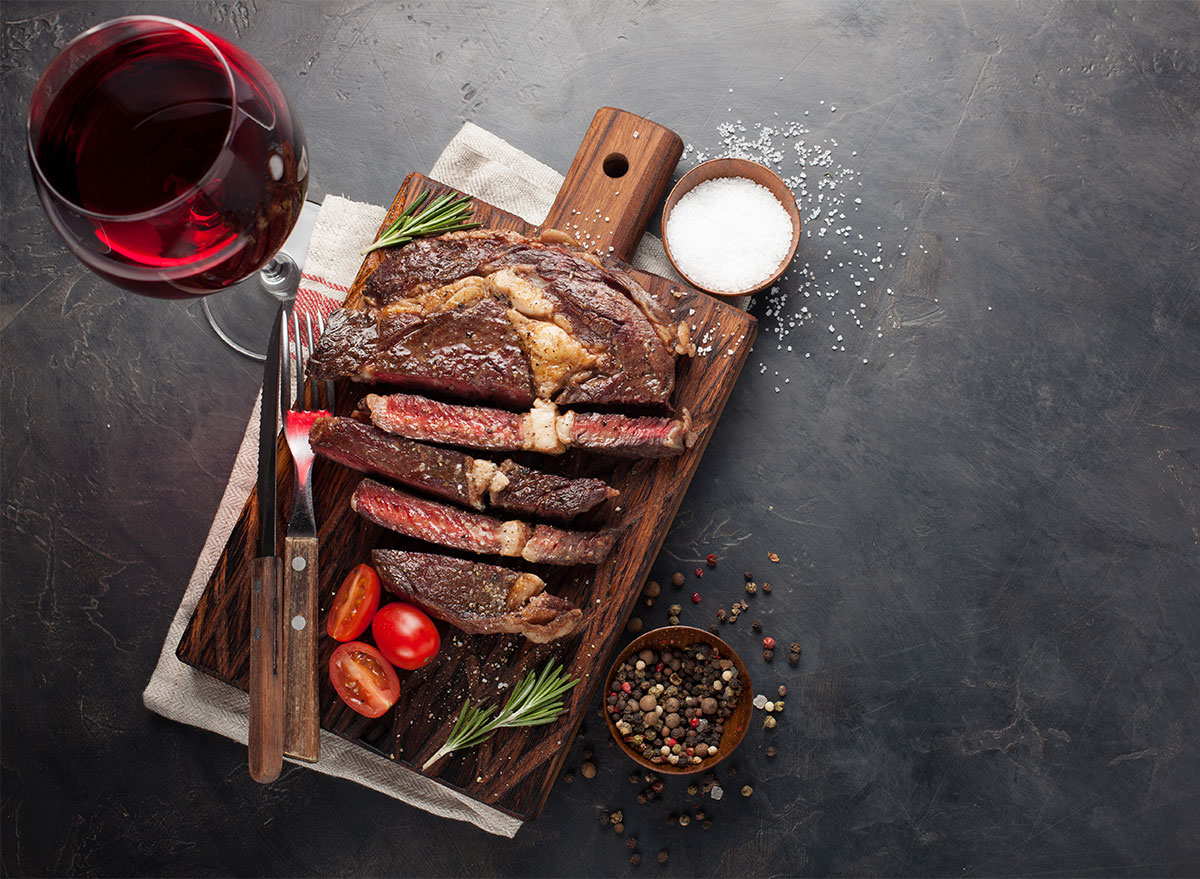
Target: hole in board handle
x=615, y=165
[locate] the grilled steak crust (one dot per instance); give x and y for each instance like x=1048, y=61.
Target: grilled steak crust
x=460, y=529
x=453, y=475
x=519, y=489
x=478, y=599
x=444, y=473
x=584, y=331
x=542, y=429
x=471, y=351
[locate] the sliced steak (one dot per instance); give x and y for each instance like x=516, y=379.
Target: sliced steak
x=444, y=473
x=580, y=330
x=460, y=529
x=471, y=351
x=519, y=489
x=479, y=599
x=453, y=475
x=541, y=429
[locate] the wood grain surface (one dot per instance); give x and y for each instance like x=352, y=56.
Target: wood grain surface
x=515, y=770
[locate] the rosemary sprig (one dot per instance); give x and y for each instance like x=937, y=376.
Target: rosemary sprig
x=446, y=213
x=536, y=699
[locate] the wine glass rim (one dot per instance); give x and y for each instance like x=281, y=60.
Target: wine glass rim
x=194, y=188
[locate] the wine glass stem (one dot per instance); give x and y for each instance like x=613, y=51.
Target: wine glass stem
x=281, y=276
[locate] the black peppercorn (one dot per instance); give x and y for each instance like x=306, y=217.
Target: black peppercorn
x=768, y=655
x=635, y=859
x=663, y=856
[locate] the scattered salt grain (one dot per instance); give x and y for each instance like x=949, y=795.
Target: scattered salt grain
x=729, y=234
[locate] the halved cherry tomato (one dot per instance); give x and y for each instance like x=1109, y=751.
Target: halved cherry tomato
x=354, y=604
x=405, y=635
x=364, y=679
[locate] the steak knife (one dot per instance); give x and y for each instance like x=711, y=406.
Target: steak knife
x=266, y=590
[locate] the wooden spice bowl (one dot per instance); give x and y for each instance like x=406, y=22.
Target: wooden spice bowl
x=735, y=727
x=761, y=175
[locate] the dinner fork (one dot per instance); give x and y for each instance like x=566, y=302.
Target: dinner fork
x=302, y=403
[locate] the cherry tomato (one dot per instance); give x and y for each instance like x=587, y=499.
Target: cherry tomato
x=354, y=604
x=405, y=635
x=363, y=678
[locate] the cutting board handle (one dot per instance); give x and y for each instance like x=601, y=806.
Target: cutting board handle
x=621, y=173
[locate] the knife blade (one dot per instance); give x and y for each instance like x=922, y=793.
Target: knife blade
x=266, y=589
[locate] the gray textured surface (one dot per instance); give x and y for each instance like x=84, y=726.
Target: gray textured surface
x=988, y=540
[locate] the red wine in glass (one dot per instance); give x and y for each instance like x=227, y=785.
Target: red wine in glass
x=167, y=159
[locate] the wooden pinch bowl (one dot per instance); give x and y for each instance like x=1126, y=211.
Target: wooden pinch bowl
x=735, y=727
x=761, y=175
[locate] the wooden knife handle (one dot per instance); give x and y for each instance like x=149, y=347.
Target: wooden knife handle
x=621, y=173
x=302, y=731
x=266, y=670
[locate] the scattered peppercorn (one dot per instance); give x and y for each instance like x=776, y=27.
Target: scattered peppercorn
x=782, y=691
x=771, y=752
x=684, y=820
x=635, y=858
x=768, y=655
x=588, y=770
x=663, y=856
x=751, y=588
x=634, y=624
x=795, y=648
x=711, y=560
x=641, y=798
x=673, y=619
x=794, y=658
x=700, y=573
x=773, y=557
x=713, y=629
x=693, y=790
x=616, y=817
x=769, y=642
x=748, y=576
x=696, y=599
x=674, y=610
x=568, y=776
x=618, y=828
x=756, y=626
x=769, y=722
x=631, y=842
x=672, y=819
x=766, y=587
x=677, y=579
x=747, y=790
x=707, y=825
x=652, y=589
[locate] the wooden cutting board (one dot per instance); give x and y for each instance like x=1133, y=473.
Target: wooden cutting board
x=616, y=181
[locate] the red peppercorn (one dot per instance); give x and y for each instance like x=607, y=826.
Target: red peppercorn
x=693, y=723
x=696, y=598
x=711, y=561
x=769, y=643
x=658, y=666
x=699, y=572
x=671, y=741
x=625, y=686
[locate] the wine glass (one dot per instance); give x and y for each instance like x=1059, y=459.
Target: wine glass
x=168, y=160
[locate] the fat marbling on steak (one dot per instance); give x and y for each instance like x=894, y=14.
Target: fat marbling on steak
x=453, y=475
x=474, y=532
x=542, y=429
x=479, y=599
x=498, y=316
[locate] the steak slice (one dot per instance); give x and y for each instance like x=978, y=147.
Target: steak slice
x=444, y=473
x=460, y=529
x=541, y=429
x=471, y=351
x=453, y=475
x=479, y=599
x=566, y=326
x=519, y=489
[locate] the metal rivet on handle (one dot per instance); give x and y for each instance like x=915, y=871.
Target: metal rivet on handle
x=257, y=633
x=299, y=622
x=298, y=563
x=257, y=586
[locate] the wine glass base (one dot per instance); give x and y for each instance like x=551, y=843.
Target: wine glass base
x=242, y=316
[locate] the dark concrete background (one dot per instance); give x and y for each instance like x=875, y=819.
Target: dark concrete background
x=988, y=529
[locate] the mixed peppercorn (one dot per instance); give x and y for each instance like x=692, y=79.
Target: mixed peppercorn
x=672, y=705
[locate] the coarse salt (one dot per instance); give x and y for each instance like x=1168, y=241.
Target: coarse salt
x=729, y=234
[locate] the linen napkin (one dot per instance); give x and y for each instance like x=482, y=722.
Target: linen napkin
x=482, y=165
